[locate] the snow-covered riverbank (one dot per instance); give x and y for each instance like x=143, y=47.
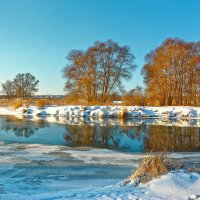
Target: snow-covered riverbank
x=33, y=171
x=172, y=112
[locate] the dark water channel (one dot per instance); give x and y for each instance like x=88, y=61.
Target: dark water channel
x=129, y=136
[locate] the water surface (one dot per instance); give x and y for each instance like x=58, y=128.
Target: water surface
x=130, y=136
x=42, y=157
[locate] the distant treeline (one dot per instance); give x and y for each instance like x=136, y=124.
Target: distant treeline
x=38, y=96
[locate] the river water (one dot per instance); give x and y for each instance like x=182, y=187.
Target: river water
x=39, y=155
x=129, y=136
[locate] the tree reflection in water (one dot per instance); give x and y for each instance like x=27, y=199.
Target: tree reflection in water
x=142, y=137
x=112, y=137
x=22, y=127
x=21, y=131
x=173, y=138
x=132, y=136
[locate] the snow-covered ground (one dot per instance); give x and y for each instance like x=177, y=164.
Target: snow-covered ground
x=176, y=112
x=36, y=171
x=173, y=186
x=32, y=171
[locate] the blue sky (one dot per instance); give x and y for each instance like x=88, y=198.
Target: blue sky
x=36, y=35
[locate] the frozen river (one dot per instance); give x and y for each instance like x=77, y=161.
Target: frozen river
x=41, y=157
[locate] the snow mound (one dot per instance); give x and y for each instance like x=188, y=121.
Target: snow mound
x=179, y=186
x=167, y=112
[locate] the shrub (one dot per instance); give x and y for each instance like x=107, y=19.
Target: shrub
x=152, y=167
x=28, y=102
x=17, y=104
x=40, y=103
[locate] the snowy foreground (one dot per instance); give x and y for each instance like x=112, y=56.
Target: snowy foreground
x=176, y=186
x=176, y=112
x=32, y=171
x=48, y=172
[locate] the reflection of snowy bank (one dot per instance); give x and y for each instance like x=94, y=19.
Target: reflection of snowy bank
x=112, y=121
x=167, y=112
x=56, y=172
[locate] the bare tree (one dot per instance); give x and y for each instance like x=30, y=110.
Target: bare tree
x=8, y=89
x=99, y=70
x=172, y=73
x=81, y=75
x=114, y=63
x=25, y=85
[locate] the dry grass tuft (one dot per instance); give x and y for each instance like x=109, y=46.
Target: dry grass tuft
x=192, y=169
x=40, y=103
x=17, y=104
x=152, y=167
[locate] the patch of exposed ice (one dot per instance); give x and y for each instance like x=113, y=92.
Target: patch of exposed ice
x=185, y=155
x=104, y=156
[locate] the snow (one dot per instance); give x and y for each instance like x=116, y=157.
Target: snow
x=23, y=166
x=175, y=185
x=33, y=171
x=166, y=112
x=105, y=156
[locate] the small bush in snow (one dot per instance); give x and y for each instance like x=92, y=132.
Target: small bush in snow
x=192, y=169
x=17, y=104
x=152, y=167
x=40, y=103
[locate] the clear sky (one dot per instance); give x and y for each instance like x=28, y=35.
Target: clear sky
x=36, y=35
